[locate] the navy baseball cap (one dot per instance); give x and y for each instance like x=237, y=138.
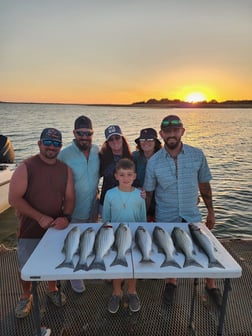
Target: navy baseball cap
x=112, y=130
x=51, y=134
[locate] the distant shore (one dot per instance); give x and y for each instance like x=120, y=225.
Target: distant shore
x=162, y=103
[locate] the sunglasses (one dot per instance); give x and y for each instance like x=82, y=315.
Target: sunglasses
x=48, y=143
x=143, y=140
x=175, y=122
x=86, y=133
x=114, y=138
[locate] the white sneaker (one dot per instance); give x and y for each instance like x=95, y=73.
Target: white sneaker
x=78, y=286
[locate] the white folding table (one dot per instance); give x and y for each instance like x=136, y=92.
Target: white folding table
x=42, y=264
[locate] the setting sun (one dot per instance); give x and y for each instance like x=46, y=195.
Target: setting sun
x=195, y=97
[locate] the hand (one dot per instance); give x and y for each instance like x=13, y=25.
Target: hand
x=60, y=223
x=210, y=220
x=45, y=221
x=143, y=193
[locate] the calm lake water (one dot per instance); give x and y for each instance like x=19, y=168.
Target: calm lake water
x=223, y=134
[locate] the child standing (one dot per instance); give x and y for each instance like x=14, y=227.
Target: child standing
x=124, y=204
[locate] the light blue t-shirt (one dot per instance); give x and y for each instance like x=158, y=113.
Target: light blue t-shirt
x=120, y=206
x=176, y=190
x=86, y=178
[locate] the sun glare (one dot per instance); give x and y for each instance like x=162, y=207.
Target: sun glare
x=195, y=97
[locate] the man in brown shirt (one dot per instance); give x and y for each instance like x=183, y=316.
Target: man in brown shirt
x=42, y=193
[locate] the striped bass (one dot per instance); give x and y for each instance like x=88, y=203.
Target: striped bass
x=165, y=244
x=204, y=242
x=103, y=241
x=123, y=240
x=70, y=248
x=86, y=247
x=144, y=243
x=183, y=242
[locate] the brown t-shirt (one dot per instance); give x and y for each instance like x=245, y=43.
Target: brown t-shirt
x=45, y=192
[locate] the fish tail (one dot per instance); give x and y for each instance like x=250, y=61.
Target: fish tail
x=80, y=266
x=120, y=261
x=145, y=261
x=170, y=263
x=215, y=263
x=192, y=262
x=97, y=264
x=66, y=264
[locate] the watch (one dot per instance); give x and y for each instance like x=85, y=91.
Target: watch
x=68, y=217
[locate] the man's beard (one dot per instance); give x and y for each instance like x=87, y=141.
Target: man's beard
x=172, y=145
x=84, y=145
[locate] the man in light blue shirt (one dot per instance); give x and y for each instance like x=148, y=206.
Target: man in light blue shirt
x=177, y=172
x=82, y=157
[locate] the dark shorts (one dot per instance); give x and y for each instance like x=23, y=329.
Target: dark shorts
x=25, y=247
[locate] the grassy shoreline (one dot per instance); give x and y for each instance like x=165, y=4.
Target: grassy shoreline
x=8, y=228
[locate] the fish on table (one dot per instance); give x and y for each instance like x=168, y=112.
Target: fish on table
x=104, y=240
x=86, y=248
x=144, y=243
x=203, y=241
x=122, y=244
x=70, y=247
x=165, y=245
x=183, y=243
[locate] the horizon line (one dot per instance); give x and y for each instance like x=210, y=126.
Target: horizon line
x=151, y=101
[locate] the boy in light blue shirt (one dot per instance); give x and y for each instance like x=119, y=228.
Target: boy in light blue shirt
x=124, y=204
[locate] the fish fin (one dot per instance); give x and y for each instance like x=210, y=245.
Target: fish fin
x=215, y=263
x=113, y=246
x=97, y=265
x=159, y=249
x=119, y=261
x=65, y=264
x=191, y=262
x=79, y=266
x=129, y=249
x=177, y=248
x=170, y=263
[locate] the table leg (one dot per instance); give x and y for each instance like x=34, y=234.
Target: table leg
x=227, y=288
x=36, y=307
x=196, y=282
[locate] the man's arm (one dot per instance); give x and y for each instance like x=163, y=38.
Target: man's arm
x=148, y=199
x=69, y=201
x=206, y=194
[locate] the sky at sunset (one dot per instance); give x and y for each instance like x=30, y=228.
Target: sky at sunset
x=124, y=51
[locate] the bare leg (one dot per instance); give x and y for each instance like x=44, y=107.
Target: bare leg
x=26, y=285
x=210, y=283
x=132, y=286
x=52, y=286
x=172, y=281
x=117, y=287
